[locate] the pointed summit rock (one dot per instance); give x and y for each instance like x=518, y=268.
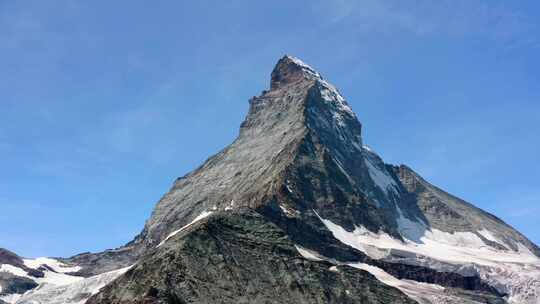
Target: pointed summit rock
x=290, y=69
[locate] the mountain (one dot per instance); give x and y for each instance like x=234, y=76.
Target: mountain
x=299, y=210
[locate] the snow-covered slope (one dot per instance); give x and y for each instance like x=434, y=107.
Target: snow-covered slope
x=76, y=292
x=516, y=273
x=43, y=272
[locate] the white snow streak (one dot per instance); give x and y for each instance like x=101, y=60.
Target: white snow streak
x=421, y=292
x=198, y=218
x=308, y=254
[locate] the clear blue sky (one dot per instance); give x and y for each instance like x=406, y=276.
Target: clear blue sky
x=105, y=103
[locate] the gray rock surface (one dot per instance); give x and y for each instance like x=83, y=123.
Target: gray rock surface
x=240, y=258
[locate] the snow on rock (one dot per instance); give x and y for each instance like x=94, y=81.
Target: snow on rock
x=13, y=270
x=305, y=67
x=330, y=93
x=489, y=236
x=11, y=298
x=423, y=293
x=50, y=277
x=75, y=293
x=55, y=275
x=308, y=254
x=514, y=272
x=52, y=263
x=288, y=211
x=367, y=148
x=198, y=218
x=230, y=207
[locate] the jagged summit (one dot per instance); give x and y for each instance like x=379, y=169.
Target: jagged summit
x=290, y=69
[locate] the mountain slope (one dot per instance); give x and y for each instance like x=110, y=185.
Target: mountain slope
x=299, y=160
x=240, y=257
x=299, y=195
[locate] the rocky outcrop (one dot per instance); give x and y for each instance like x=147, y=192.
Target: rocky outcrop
x=12, y=284
x=240, y=257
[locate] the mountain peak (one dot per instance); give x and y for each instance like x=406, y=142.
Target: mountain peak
x=290, y=69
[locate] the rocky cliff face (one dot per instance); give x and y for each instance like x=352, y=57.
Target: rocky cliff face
x=241, y=257
x=298, y=210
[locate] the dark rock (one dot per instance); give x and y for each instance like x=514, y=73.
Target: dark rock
x=11, y=284
x=240, y=258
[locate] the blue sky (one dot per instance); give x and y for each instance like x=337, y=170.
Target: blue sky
x=105, y=103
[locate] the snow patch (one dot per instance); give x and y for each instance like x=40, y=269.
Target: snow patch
x=489, y=236
x=230, y=207
x=423, y=293
x=52, y=263
x=13, y=270
x=509, y=271
x=289, y=212
x=50, y=277
x=331, y=93
x=12, y=298
x=198, y=218
x=74, y=293
x=308, y=254
x=305, y=67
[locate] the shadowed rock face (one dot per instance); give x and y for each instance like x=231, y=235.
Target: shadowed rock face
x=240, y=258
x=13, y=284
x=9, y=258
